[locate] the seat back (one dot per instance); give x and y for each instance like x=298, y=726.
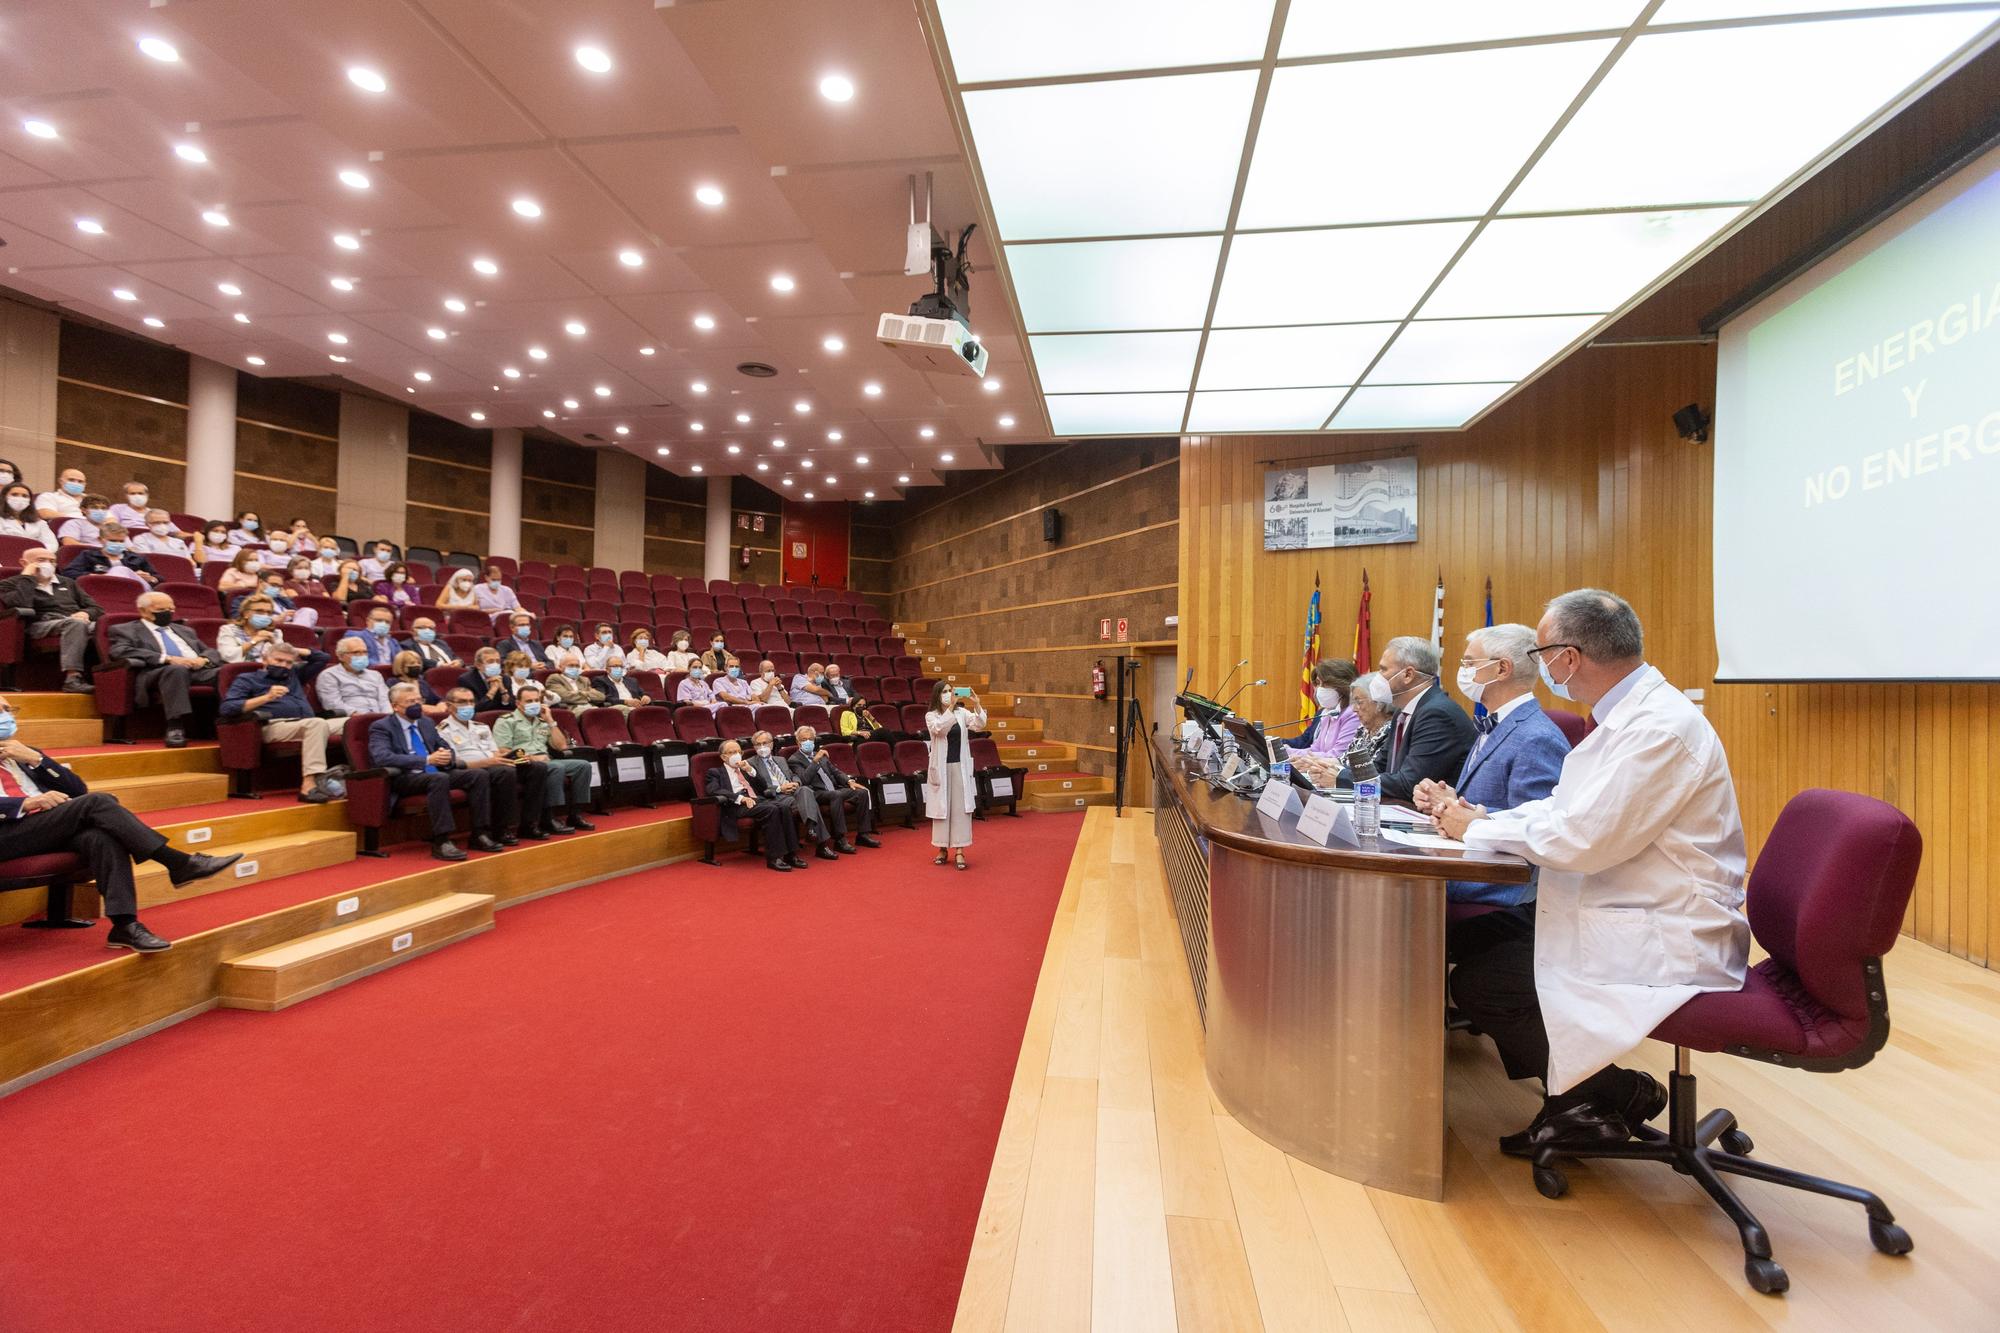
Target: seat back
x=193, y=599
x=814, y=716
x=603, y=726
x=694, y=724
x=912, y=716
x=1575, y=726
x=775, y=719
x=1829, y=890
x=647, y=725
x=443, y=679
x=985, y=754
x=113, y=592
x=874, y=758
x=913, y=758
x=734, y=722
x=841, y=753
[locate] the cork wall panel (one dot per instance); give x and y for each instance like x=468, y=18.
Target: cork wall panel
x=680, y=558
x=442, y=438
x=557, y=545
x=546, y=459
x=664, y=485
x=264, y=451
x=447, y=529
x=676, y=520
x=119, y=361
x=446, y=486
x=277, y=503
x=115, y=436
x=289, y=404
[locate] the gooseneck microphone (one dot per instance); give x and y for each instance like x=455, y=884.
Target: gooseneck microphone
x=1240, y=688
x=1231, y=676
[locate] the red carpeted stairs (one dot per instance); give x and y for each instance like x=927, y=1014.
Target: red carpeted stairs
x=689, y=1099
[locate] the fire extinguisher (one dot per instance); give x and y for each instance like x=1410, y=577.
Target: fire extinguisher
x=1097, y=680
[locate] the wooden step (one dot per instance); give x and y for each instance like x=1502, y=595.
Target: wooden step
x=1045, y=753
x=976, y=679
x=47, y=733
x=1067, y=780
x=164, y=791
x=905, y=628
x=126, y=761
x=936, y=662
x=263, y=858
x=50, y=703
x=1007, y=729
x=247, y=820
x=999, y=703
x=1065, y=800
x=278, y=977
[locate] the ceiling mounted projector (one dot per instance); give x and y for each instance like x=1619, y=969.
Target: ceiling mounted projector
x=935, y=335
x=933, y=344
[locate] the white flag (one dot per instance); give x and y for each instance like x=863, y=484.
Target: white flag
x=1437, y=618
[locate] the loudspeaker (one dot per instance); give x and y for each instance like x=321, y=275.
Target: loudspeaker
x=1692, y=423
x=1052, y=525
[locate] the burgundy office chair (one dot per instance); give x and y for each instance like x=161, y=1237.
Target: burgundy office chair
x=1825, y=899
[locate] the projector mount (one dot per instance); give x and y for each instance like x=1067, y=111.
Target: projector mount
x=925, y=251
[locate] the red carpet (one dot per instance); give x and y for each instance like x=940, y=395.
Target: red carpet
x=694, y=1099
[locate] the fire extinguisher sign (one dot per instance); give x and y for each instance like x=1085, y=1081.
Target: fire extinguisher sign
x=1124, y=629
x=1104, y=630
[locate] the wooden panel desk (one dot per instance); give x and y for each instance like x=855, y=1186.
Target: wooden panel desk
x=1319, y=972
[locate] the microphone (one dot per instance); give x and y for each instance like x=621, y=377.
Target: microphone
x=1240, y=688
x=1231, y=676
x=1189, y=681
x=1287, y=726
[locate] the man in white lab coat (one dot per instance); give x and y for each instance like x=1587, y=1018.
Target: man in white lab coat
x=1639, y=905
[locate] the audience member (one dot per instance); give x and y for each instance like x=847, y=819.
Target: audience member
x=114, y=557
x=277, y=552
x=300, y=581
x=494, y=595
x=55, y=608
x=520, y=668
x=423, y=641
x=10, y=472
x=730, y=687
x=160, y=537
x=488, y=682
x=602, y=647
x=766, y=688
x=716, y=659
x=521, y=638
x=775, y=782
x=644, y=656
x=809, y=686
x=65, y=501
x=619, y=692
x=561, y=644
x=20, y=518
x=165, y=657
x=248, y=530
x=681, y=658
x=254, y=629
x=457, y=591
x=737, y=797
x=353, y=688
x=419, y=761
x=131, y=509
x=245, y=574
x=379, y=641
x=530, y=730
x=695, y=688
x=517, y=804
x=407, y=666
x=274, y=586
x=842, y=797
x=276, y=700
x=566, y=687
x=352, y=585
x=327, y=563
x=394, y=586
x=85, y=529
x=858, y=724
x=838, y=691
x=375, y=564
x=46, y=809
x=212, y=545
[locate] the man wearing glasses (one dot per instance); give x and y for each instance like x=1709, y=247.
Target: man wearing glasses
x=1639, y=900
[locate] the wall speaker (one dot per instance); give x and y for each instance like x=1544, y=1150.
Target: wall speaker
x=1052, y=525
x=1692, y=423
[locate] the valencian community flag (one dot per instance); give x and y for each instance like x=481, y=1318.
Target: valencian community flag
x=1364, y=651
x=1309, y=658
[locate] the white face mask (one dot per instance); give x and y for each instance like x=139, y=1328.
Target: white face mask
x=733, y=760
x=136, y=501
x=17, y=502
x=1469, y=687
x=763, y=752
x=160, y=529
x=1328, y=696
x=1560, y=691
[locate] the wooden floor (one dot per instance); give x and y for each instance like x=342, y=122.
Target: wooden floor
x=1122, y=1197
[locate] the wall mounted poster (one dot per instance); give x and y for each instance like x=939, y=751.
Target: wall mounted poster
x=1341, y=504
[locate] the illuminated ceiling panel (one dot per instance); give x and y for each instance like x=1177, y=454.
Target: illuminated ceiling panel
x=1400, y=212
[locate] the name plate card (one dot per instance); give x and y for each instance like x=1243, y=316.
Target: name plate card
x=1319, y=819
x=1279, y=798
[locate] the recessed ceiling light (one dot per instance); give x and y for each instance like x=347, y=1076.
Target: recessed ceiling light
x=903, y=479
x=926, y=433
x=346, y=242
x=699, y=386
x=155, y=322
x=867, y=495
x=802, y=407
x=575, y=328
x=735, y=449
x=704, y=322
x=90, y=226
x=782, y=282
x=228, y=289
x=991, y=386
x=159, y=49
x=647, y=351
x=436, y=335
x=704, y=194
x=125, y=293
x=335, y=356
x=571, y=404
x=833, y=342
x=510, y=372
x=354, y=180
x=485, y=266
x=337, y=339
x=254, y=360
x=527, y=208
x=742, y=418
x=806, y=463
x=367, y=80
x=622, y=430
x=663, y=451
x=872, y=389
x=549, y=412
x=631, y=258
x=422, y=377
x=1006, y=423
x=453, y=304
x=777, y=442
x=539, y=353
x=837, y=88
x=830, y=480
x=188, y=152
x=240, y=317
x=41, y=129
x=861, y=460
x=602, y=391
x=763, y=467
x=594, y=58
x=697, y=427
x=695, y=468
x=944, y=458
x=479, y=416
x=786, y=482
x=342, y=284
x=835, y=436
x=215, y=217
x=809, y=495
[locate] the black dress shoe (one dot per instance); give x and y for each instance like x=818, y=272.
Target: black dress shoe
x=798, y=862
x=778, y=865
x=581, y=824
x=136, y=938
x=1581, y=1124
x=201, y=867
x=844, y=848
x=481, y=842
x=534, y=835
x=825, y=852
x=316, y=796
x=1646, y=1100
x=447, y=850
x=869, y=840
x=557, y=827
x=177, y=737
x=78, y=685
x=508, y=840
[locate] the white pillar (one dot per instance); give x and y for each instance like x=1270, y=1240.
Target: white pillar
x=211, y=439
x=373, y=473
x=503, y=506
x=715, y=562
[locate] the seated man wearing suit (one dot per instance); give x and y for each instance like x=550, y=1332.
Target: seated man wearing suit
x=1517, y=758
x=841, y=796
x=1430, y=735
x=522, y=640
x=738, y=797
x=54, y=608
x=165, y=657
x=423, y=641
x=777, y=785
x=46, y=808
x=419, y=760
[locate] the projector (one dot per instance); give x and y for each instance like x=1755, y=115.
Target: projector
x=933, y=344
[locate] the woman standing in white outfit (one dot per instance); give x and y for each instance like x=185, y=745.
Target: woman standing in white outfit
x=948, y=788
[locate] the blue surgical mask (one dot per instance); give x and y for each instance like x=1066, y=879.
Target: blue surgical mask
x=260, y=621
x=735, y=673
x=805, y=747
x=114, y=548
x=604, y=636
x=1560, y=691
x=532, y=709
x=379, y=627
x=7, y=725
x=464, y=712
x=427, y=635
x=95, y=515
x=493, y=583
x=696, y=674
x=72, y=488
x=566, y=640
x=522, y=673
x=249, y=525
x=357, y=662
x=491, y=669
x=617, y=673
x=572, y=671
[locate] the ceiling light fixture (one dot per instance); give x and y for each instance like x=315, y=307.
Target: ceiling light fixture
x=735, y=449
x=594, y=58
x=341, y=284
x=228, y=289
x=354, y=180
x=872, y=389
x=1006, y=423
x=527, y=208
x=926, y=433
x=159, y=49
x=622, y=430
x=337, y=339
x=704, y=322
x=422, y=377
x=782, y=282
x=631, y=259
x=575, y=328
x=647, y=351
x=90, y=226
x=695, y=468
x=777, y=442
x=41, y=129
x=435, y=335
x=254, y=360
x=346, y=242
x=453, y=304
x=485, y=266
x=240, y=317
x=833, y=343
x=479, y=416
x=124, y=293
x=742, y=418
x=602, y=391
x=806, y=463
x=836, y=88
x=699, y=386
x=549, y=412
x=709, y=195
x=511, y=372
x=835, y=436
x=802, y=407
x=830, y=480
x=991, y=386
x=215, y=217
x=903, y=479
x=809, y=495
x=867, y=495
x=335, y=356
x=697, y=427
x=367, y=80
x=539, y=353
x=786, y=482
x=944, y=458
x=861, y=460
x=188, y=152
x=663, y=451
x=763, y=467
x=155, y=322
x=571, y=404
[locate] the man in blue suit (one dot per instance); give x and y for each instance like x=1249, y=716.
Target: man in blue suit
x=1516, y=757
x=419, y=760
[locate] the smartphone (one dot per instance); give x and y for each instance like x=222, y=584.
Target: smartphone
x=962, y=691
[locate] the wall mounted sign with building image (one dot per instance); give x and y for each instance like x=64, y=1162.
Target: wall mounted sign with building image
x=1368, y=503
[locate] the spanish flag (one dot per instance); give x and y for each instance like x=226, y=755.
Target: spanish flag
x=1309, y=658
x=1364, y=650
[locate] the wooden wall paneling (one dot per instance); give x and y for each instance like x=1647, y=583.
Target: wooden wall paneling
x=558, y=502
x=285, y=474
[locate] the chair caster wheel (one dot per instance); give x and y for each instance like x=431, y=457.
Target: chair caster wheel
x=1889, y=1238
x=1550, y=1183
x=1736, y=1141
x=1766, y=1275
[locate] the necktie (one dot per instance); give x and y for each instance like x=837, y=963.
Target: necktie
x=8, y=786
x=417, y=747
x=1486, y=723
x=1396, y=744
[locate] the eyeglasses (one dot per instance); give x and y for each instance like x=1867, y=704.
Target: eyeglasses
x=1476, y=662
x=1551, y=648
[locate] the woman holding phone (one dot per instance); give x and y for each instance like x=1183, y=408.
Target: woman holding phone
x=948, y=788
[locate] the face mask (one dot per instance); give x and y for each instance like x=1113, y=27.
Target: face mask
x=617, y=673
x=260, y=621
x=1469, y=687
x=565, y=641
x=462, y=585
x=680, y=645
x=717, y=645
x=94, y=515
x=522, y=673
x=217, y=539
x=604, y=636
x=43, y=571
x=6, y=477
x=279, y=546
x=379, y=628
x=531, y=709
x=463, y=712
x=413, y=711
x=1327, y=696
x=572, y=671
x=490, y=670
x=491, y=583
x=735, y=673
x=357, y=662
x=159, y=529
x=833, y=682
x=163, y=617
x=249, y=525
x=641, y=644
x=329, y=552
x=763, y=752
x=383, y=553
x=114, y=548
x=17, y=502
x=426, y=635
x=300, y=575
x=696, y=675
x=7, y=725
x=72, y=488
x=1559, y=691
x=521, y=632
x=274, y=591
x=733, y=760
x=805, y=747
x=136, y=501
x=819, y=679
x=398, y=578
x=770, y=674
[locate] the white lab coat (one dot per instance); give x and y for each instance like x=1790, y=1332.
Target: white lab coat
x=1639, y=906
x=939, y=725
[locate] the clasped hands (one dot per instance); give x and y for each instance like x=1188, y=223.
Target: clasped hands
x=1452, y=813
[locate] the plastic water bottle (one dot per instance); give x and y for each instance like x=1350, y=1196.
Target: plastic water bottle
x=1367, y=794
